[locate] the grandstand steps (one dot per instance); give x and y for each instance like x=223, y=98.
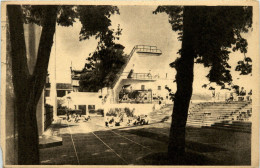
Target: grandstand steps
x=212, y=113
x=233, y=126
x=215, y=115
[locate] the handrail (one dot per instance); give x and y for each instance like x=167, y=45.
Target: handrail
x=122, y=69
x=141, y=76
x=146, y=48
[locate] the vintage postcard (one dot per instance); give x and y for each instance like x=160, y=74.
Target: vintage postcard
x=127, y=83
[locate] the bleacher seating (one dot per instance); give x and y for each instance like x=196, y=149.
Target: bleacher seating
x=235, y=115
x=219, y=113
x=160, y=114
x=242, y=126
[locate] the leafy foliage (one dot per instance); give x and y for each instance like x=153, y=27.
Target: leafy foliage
x=214, y=31
x=104, y=63
x=171, y=94
x=245, y=66
x=236, y=87
x=94, y=19
x=103, y=71
x=67, y=15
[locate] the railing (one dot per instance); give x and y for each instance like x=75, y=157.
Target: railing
x=123, y=67
x=146, y=76
x=148, y=49
x=141, y=76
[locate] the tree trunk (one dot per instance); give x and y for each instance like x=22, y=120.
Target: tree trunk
x=184, y=80
x=28, y=88
x=28, y=141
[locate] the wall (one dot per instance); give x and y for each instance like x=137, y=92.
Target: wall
x=82, y=98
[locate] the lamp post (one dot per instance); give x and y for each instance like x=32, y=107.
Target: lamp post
x=53, y=91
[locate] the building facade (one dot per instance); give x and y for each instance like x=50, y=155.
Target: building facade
x=138, y=82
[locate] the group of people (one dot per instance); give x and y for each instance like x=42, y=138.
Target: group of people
x=118, y=121
x=141, y=120
x=241, y=95
x=113, y=121
x=76, y=115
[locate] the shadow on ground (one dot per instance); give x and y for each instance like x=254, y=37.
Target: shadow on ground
x=203, y=147
x=59, y=126
x=199, y=149
x=189, y=159
x=195, y=146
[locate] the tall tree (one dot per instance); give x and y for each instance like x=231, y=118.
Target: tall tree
x=207, y=34
x=95, y=22
x=104, y=63
x=103, y=70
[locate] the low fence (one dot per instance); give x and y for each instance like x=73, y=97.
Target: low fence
x=48, y=116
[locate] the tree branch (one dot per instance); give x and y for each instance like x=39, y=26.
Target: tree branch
x=44, y=50
x=20, y=69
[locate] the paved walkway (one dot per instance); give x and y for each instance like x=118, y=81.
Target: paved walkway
x=90, y=143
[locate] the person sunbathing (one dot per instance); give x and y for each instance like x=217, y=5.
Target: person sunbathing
x=88, y=118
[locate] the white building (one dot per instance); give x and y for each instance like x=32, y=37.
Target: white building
x=138, y=76
x=88, y=102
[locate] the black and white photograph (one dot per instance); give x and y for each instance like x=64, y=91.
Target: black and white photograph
x=129, y=83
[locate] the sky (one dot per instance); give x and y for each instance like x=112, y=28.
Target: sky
x=140, y=27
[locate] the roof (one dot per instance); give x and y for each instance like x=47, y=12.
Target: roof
x=63, y=86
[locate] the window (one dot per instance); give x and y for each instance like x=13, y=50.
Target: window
x=142, y=87
x=91, y=108
x=61, y=93
x=159, y=87
x=83, y=108
x=47, y=93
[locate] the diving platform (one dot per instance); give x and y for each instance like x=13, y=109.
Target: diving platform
x=145, y=49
